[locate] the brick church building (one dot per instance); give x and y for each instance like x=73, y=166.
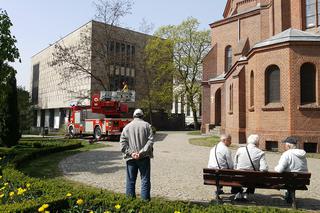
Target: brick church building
x=262, y=74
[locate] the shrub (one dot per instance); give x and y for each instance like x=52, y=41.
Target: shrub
x=9, y=114
x=61, y=196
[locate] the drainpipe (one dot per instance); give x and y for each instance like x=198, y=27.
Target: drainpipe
x=272, y=17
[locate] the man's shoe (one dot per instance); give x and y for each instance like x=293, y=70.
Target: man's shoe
x=288, y=197
x=248, y=196
x=238, y=197
x=245, y=195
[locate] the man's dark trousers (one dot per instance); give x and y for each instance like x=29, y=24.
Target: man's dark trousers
x=143, y=165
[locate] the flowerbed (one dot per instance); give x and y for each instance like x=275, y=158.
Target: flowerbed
x=15, y=192
x=58, y=195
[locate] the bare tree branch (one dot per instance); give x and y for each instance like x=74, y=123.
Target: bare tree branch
x=74, y=60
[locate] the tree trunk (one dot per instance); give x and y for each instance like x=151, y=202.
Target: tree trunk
x=150, y=113
x=195, y=118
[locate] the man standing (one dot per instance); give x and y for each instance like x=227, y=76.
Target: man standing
x=136, y=143
x=220, y=156
x=292, y=160
x=249, y=157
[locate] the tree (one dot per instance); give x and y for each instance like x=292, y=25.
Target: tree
x=190, y=46
x=25, y=109
x=9, y=122
x=158, y=69
x=8, y=51
x=74, y=61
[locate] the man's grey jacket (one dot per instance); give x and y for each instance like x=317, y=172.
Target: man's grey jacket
x=137, y=136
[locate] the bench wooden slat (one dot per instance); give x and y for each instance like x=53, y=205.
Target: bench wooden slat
x=257, y=174
x=261, y=186
x=291, y=181
x=270, y=180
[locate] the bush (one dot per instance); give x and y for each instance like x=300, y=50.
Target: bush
x=9, y=114
x=55, y=194
x=32, y=148
x=61, y=196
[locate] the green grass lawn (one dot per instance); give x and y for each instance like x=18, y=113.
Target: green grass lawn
x=47, y=166
x=205, y=141
x=197, y=132
x=313, y=155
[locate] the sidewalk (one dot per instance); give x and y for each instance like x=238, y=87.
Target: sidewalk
x=176, y=172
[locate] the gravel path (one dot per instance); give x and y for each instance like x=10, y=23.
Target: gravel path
x=176, y=172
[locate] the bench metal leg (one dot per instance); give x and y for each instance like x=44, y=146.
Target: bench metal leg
x=218, y=199
x=294, y=202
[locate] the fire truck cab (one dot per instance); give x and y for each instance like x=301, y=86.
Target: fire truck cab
x=104, y=118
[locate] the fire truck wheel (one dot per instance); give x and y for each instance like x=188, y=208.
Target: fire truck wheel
x=71, y=131
x=97, y=133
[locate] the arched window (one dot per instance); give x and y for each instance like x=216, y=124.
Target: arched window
x=251, y=89
x=231, y=98
x=272, y=84
x=307, y=83
x=228, y=58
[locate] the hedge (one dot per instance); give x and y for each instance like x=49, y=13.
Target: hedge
x=32, y=148
x=101, y=200
x=54, y=191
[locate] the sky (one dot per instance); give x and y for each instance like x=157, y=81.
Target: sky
x=38, y=23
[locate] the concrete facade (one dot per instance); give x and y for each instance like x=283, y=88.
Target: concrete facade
x=265, y=37
x=180, y=106
x=50, y=93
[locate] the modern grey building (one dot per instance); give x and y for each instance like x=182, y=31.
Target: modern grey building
x=55, y=87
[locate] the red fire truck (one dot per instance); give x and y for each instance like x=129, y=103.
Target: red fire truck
x=104, y=118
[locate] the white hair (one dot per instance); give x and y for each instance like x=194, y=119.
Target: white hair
x=291, y=146
x=253, y=139
x=225, y=137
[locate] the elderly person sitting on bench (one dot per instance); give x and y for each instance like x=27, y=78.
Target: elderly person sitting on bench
x=220, y=156
x=292, y=160
x=249, y=157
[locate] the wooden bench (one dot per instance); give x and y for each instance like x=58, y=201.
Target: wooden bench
x=291, y=181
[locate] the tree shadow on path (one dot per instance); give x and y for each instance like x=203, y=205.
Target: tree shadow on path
x=97, y=162
x=160, y=137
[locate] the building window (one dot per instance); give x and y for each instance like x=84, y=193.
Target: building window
x=228, y=58
x=308, y=83
x=35, y=117
x=176, y=104
x=251, y=89
x=188, y=108
x=231, y=98
x=35, y=83
x=312, y=13
x=310, y=147
x=272, y=84
x=272, y=146
x=51, y=118
x=182, y=104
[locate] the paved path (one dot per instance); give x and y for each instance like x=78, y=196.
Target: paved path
x=176, y=172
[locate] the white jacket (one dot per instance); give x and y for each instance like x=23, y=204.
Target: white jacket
x=242, y=160
x=292, y=160
x=223, y=156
